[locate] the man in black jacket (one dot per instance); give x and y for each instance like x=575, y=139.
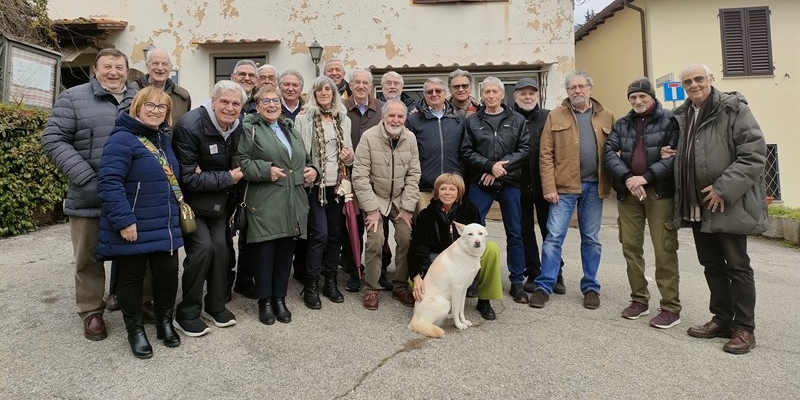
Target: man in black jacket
x=205, y=141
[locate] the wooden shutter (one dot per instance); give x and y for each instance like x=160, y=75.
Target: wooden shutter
x=759, y=41
x=746, y=43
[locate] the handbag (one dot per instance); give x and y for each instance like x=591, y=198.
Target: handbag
x=186, y=215
x=238, y=221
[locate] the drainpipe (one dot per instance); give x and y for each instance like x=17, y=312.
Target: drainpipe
x=629, y=4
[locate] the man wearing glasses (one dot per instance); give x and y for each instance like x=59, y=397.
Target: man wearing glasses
x=267, y=74
x=569, y=163
x=720, y=193
x=460, y=83
x=244, y=73
x=392, y=85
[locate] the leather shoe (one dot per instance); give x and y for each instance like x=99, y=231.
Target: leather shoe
x=741, y=342
x=518, y=293
x=94, y=328
x=591, y=300
x=166, y=332
x=311, y=294
x=371, y=299
x=486, y=310
x=404, y=296
x=265, y=314
x=112, y=303
x=331, y=291
x=710, y=330
x=559, y=287
x=282, y=313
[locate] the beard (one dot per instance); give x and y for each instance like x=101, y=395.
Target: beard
x=394, y=131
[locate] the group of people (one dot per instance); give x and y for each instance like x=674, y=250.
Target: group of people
x=285, y=168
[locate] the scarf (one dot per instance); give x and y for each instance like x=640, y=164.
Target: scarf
x=319, y=136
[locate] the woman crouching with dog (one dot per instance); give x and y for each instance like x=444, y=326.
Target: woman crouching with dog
x=434, y=231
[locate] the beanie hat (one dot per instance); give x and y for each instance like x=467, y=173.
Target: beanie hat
x=641, y=85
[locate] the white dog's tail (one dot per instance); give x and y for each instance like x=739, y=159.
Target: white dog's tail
x=425, y=328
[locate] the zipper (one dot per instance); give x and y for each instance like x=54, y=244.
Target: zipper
x=136, y=196
x=169, y=220
x=441, y=148
x=391, y=186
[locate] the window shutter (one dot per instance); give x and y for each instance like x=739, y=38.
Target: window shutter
x=733, y=54
x=759, y=41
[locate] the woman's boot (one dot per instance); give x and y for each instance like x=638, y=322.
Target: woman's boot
x=164, y=329
x=282, y=313
x=265, y=314
x=311, y=294
x=330, y=290
x=140, y=346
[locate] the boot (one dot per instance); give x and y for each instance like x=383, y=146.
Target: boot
x=282, y=313
x=164, y=329
x=140, y=346
x=265, y=314
x=311, y=294
x=330, y=290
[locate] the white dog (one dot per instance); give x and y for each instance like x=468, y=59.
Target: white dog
x=447, y=281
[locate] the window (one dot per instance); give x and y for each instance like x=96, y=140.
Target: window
x=773, y=173
x=746, y=43
x=223, y=66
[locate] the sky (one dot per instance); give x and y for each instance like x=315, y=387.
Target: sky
x=596, y=5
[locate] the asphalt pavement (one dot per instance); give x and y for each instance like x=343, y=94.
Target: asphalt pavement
x=346, y=352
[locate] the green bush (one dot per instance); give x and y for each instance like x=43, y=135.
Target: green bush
x=783, y=211
x=29, y=184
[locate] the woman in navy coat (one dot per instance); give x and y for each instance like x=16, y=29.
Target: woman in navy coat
x=139, y=223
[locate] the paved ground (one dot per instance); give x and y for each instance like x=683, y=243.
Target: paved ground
x=344, y=351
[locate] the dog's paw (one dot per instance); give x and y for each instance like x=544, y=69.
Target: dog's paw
x=467, y=322
x=459, y=325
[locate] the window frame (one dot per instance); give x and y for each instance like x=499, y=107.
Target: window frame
x=746, y=41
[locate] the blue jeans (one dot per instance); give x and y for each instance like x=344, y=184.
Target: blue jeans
x=508, y=197
x=590, y=215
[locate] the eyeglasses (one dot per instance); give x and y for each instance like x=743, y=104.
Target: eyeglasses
x=432, y=91
x=391, y=84
x=246, y=75
x=153, y=106
x=464, y=86
x=266, y=78
x=696, y=79
x=267, y=100
x=577, y=87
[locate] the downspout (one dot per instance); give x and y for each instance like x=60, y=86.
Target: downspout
x=629, y=4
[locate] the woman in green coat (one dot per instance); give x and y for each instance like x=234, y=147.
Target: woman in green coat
x=278, y=170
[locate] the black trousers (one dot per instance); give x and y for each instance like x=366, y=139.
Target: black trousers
x=529, y=204
x=206, y=263
x=243, y=270
x=324, y=233
x=729, y=277
x=272, y=262
x=130, y=279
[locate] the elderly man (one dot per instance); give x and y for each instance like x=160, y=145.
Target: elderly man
x=495, y=148
x=334, y=69
x=645, y=187
x=245, y=74
x=159, y=68
x=73, y=139
x=460, y=83
x=526, y=102
x=267, y=74
x=387, y=191
x=291, y=86
x=438, y=128
x=392, y=88
x=205, y=141
x=720, y=193
x=572, y=176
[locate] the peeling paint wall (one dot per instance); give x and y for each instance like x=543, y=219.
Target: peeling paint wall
x=362, y=33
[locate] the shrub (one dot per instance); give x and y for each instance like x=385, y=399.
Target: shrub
x=783, y=211
x=29, y=184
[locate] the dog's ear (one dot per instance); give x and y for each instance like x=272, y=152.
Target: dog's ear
x=459, y=228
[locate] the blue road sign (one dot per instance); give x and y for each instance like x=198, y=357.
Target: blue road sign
x=673, y=91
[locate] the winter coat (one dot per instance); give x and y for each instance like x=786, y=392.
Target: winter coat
x=482, y=146
x=657, y=134
x=360, y=123
x=384, y=176
x=134, y=189
x=198, y=143
x=438, y=141
x=560, y=153
x=275, y=209
x=531, y=180
x=730, y=155
x=73, y=139
x=181, y=100
x=434, y=232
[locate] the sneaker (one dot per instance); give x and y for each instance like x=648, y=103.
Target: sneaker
x=591, y=300
x=191, y=327
x=665, y=319
x=636, y=310
x=222, y=319
x=518, y=293
x=538, y=298
x=353, y=284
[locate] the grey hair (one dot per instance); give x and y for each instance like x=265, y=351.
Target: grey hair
x=458, y=73
x=434, y=81
x=227, y=86
x=150, y=56
x=392, y=74
x=574, y=74
x=491, y=80
x=330, y=60
x=692, y=66
x=385, y=108
x=244, y=62
x=362, y=70
x=267, y=66
x=292, y=72
x=337, y=106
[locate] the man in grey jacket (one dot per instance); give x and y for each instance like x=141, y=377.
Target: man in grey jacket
x=720, y=193
x=73, y=139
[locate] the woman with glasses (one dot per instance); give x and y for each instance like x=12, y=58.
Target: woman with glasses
x=139, y=219
x=278, y=169
x=325, y=129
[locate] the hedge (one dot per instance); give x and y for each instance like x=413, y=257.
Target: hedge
x=31, y=189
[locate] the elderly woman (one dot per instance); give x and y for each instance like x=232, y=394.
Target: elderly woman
x=325, y=129
x=274, y=161
x=139, y=219
x=434, y=231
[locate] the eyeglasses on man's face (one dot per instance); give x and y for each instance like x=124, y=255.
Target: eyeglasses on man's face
x=246, y=75
x=697, y=79
x=574, y=88
x=267, y=100
x=149, y=106
x=434, y=91
x=464, y=86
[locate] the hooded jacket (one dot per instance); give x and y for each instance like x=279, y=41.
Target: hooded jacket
x=438, y=142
